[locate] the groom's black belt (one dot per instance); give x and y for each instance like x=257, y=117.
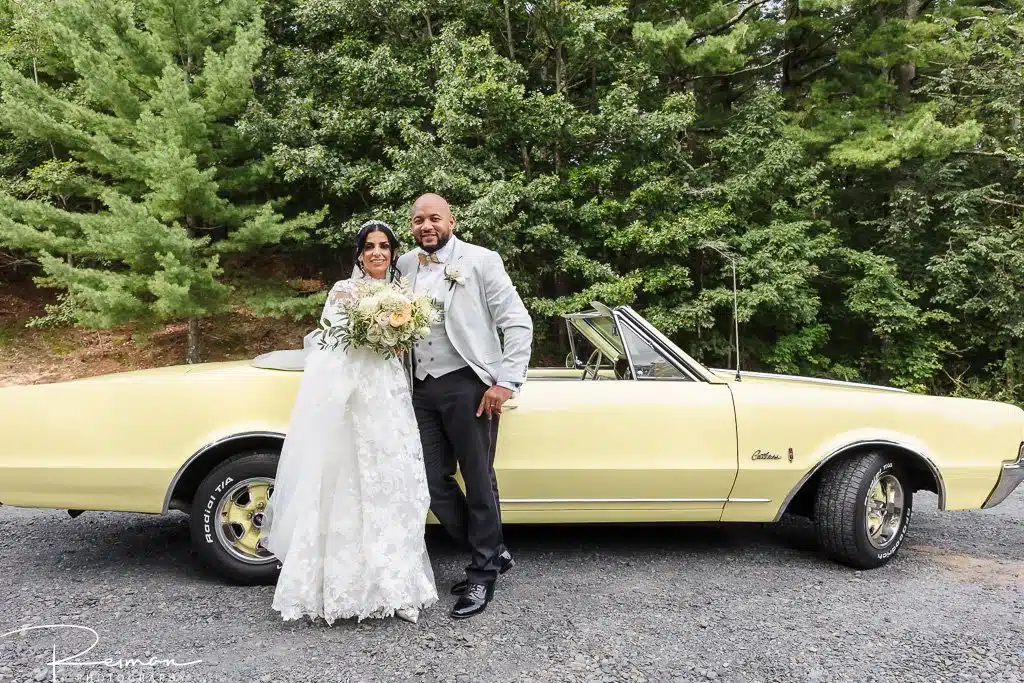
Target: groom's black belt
x=466, y=372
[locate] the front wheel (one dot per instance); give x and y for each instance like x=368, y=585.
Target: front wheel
x=228, y=514
x=862, y=510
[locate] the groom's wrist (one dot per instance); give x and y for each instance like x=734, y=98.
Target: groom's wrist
x=511, y=386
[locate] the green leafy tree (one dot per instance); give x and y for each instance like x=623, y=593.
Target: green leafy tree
x=153, y=198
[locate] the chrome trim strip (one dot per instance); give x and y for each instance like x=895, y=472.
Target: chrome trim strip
x=857, y=444
x=811, y=380
x=1010, y=477
x=572, y=344
x=617, y=323
x=204, y=449
x=622, y=320
x=633, y=500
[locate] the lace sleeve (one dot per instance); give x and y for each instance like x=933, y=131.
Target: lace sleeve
x=342, y=292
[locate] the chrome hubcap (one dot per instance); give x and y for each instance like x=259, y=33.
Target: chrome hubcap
x=241, y=515
x=884, y=510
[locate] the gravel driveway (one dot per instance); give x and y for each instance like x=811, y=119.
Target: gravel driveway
x=726, y=603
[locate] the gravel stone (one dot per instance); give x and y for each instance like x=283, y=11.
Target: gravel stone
x=731, y=603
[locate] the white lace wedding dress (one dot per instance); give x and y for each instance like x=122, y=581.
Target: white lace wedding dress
x=350, y=500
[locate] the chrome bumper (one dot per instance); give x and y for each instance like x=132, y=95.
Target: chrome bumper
x=1010, y=477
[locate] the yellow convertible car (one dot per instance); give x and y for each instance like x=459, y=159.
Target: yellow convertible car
x=631, y=430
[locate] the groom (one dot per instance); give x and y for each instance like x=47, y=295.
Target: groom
x=461, y=378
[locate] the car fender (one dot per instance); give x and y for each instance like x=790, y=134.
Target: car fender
x=865, y=439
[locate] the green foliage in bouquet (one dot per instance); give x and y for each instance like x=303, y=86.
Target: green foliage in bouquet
x=384, y=318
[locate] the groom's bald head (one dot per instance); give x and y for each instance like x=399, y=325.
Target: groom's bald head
x=431, y=199
x=431, y=221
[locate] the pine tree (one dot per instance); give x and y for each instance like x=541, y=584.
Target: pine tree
x=143, y=129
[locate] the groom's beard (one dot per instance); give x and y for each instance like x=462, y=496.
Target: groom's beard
x=441, y=241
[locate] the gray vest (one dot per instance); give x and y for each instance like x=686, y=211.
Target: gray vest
x=434, y=354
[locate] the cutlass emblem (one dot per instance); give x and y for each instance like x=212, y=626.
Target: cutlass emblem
x=765, y=455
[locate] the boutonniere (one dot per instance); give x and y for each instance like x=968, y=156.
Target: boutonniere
x=453, y=275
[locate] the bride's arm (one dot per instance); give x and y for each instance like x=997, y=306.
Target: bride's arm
x=332, y=315
x=341, y=293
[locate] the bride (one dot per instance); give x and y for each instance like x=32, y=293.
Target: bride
x=350, y=500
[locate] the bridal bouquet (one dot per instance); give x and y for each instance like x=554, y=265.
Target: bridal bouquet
x=385, y=318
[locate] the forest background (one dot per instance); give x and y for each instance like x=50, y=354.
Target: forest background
x=181, y=180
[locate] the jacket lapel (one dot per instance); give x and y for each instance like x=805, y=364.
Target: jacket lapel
x=415, y=267
x=450, y=286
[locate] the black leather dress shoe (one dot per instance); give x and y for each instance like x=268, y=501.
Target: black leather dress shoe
x=473, y=601
x=505, y=562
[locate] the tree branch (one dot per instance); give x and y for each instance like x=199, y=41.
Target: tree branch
x=727, y=25
x=808, y=54
x=749, y=69
x=1004, y=203
x=818, y=69
x=9, y=260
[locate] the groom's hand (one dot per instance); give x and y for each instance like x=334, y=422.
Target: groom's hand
x=492, y=401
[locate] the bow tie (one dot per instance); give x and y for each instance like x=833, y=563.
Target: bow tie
x=428, y=258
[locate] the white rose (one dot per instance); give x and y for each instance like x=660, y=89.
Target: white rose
x=368, y=305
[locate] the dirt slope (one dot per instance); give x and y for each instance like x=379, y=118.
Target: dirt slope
x=38, y=356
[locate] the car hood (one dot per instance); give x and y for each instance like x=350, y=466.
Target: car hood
x=798, y=380
x=287, y=361
x=170, y=372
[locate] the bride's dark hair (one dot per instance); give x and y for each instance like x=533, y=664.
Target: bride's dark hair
x=368, y=228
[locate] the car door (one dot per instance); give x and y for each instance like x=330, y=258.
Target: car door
x=659, y=446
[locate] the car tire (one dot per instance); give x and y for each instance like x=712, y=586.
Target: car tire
x=854, y=526
x=227, y=512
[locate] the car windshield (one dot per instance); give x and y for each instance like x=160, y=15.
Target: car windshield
x=631, y=341
x=647, y=361
x=605, y=329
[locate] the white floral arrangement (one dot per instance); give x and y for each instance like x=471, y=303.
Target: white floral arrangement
x=453, y=275
x=386, y=318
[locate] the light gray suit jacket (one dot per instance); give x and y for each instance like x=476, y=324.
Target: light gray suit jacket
x=477, y=309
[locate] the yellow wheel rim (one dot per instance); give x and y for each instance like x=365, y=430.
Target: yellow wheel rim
x=241, y=516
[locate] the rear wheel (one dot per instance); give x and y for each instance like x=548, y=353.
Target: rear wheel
x=862, y=510
x=228, y=514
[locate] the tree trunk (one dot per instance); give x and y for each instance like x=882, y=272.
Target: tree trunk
x=909, y=71
x=790, y=45
x=562, y=289
x=193, y=350
x=35, y=76
x=193, y=345
x=508, y=33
